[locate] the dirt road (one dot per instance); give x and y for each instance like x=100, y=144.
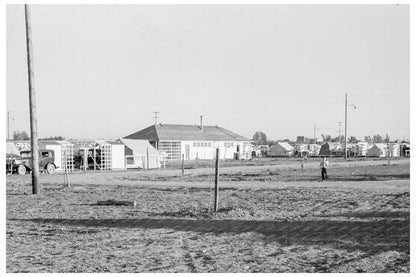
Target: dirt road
x=272, y=218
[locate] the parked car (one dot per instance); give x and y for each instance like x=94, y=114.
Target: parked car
x=9, y=161
x=23, y=164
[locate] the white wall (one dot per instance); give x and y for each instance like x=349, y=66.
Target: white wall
x=117, y=155
x=227, y=149
x=58, y=154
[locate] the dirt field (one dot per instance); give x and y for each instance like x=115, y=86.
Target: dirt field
x=274, y=217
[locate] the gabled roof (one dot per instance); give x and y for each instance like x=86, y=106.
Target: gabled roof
x=185, y=132
x=140, y=147
x=380, y=146
x=333, y=145
x=285, y=145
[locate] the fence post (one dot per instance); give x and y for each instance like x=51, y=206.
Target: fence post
x=183, y=165
x=147, y=158
x=216, y=180
x=389, y=154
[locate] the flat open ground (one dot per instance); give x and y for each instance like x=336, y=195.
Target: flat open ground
x=274, y=217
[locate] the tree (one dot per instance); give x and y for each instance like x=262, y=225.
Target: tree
x=377, y=139
x=260, y=138
x=387, y=138
x=270, y=142
x=326, y=138
x=20, y=135
x=53, y=138
x=367, y=138
x=337, y=139
x=352, y=139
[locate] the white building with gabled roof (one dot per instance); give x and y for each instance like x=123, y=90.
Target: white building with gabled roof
x=194, y=141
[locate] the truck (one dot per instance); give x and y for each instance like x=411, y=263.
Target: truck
x=23, y=163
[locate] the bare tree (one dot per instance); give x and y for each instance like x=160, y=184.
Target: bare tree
x=20, y=135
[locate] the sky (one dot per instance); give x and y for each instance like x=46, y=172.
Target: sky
x=101, y=71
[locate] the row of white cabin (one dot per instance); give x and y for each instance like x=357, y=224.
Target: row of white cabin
x=150, y=147
x=284, y=149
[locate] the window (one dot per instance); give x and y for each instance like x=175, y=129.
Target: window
x=25, y=154
x=194, y=144
x=45, y=154
x=171, y=148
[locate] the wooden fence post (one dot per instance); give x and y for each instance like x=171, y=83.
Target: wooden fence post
x=147, y=158
x=216, y=180
x=183, y=165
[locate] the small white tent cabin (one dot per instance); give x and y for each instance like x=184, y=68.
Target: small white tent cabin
x=111, y=154
x=281, y=149
x=377, y=150
x=63, y=151
x=141, y=154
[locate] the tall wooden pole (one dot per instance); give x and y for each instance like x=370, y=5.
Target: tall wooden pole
x=147, y=158
x=345, y=143
x=217, y=175
x=32, y=105
x=183, y=165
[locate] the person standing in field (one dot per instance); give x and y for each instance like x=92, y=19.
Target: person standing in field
x=324, y=165
x=302, y=162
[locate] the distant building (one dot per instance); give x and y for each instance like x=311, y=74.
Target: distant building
x=313, y=141
x=195, y=142
x=301, y=149
x=377, y=150
x=330, y=149
x=281, y=149
x=300, y=139
x=314, y=149
x=405, y=150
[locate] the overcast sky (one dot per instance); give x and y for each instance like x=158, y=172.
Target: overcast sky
x=101, y=71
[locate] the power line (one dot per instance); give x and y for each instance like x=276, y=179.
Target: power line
x=184, y=47
x=213, y=70
x=151, y=42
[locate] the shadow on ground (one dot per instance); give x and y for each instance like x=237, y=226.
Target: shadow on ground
x=375, y=214
x=385, y=234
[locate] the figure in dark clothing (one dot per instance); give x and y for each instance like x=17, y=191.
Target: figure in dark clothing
x=324, y=165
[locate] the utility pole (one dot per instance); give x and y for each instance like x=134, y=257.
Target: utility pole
x=346, y=111
x=345, y=143
x=156, y=117
x=339, y=131
x=32, y=105
x=183, y=165
x=314, y=133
